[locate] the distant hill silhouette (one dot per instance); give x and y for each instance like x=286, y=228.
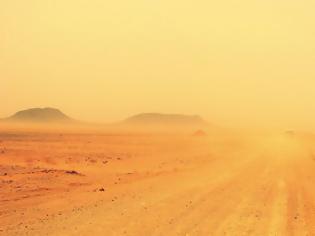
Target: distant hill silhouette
x=164, y=119
x=200, y=133
x=40, y=115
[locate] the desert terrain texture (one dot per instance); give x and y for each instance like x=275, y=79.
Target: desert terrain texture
x=106, y=182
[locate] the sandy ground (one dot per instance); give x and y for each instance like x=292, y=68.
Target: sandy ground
x=141, y=184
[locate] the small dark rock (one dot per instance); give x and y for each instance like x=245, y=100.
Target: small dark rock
x=72, y=172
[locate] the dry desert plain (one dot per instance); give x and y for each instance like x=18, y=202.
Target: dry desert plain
x=61, y=182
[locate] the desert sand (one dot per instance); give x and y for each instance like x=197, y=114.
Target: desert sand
x=128, y=183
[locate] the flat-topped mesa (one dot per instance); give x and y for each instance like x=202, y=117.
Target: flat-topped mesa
x=40, y=115
x=164, y=119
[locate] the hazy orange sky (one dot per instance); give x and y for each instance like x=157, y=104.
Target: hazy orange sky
x=233, y=62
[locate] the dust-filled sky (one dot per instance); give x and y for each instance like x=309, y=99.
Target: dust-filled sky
x=248, y=62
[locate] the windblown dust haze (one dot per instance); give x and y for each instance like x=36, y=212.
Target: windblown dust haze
x=156, y=117
x=235, y=63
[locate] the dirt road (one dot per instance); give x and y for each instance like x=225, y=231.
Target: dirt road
x=267, y=187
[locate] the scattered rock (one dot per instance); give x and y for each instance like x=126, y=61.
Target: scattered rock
x=101, y=190
x=72, y=172
x=47, y=171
